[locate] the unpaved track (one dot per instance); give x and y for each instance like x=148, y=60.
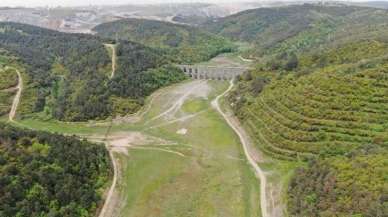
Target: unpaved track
x=16, y=100
x=179, y=102
x=108, y=201
x=114, y=58
x=245, y=60
x=244, y=141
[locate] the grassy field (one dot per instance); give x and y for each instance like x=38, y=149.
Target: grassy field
x=64, y=127
x=210, y=178
x=198, y=169
x=233, y=59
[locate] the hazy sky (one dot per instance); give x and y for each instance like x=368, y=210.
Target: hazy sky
x=32, y=3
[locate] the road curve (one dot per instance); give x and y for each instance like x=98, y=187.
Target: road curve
x=244, y=141
x=16, y=99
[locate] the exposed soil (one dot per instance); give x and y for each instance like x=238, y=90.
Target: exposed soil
x=16, y=100
x=112, y=47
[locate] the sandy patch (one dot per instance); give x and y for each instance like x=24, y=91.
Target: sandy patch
x=127, y=139
x=202, y=91
x=182, y=131
x=194, y=89
x=120, y=150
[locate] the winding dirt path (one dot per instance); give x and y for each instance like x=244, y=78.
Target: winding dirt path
x=112, y=47
x=245, y=142
x=109, y=197
x=16, y=99
x=245, y=60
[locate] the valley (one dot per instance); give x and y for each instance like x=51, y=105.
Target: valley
x=199, y=151
x=299, y=128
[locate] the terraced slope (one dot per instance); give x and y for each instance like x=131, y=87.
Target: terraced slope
x=326, y=111
x=330, y=111
x=186, y=44
x=334, y=109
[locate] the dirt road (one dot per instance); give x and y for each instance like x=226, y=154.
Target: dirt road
x=245, y=142
x=16, y=100
x=112, y=47
x=108, y=204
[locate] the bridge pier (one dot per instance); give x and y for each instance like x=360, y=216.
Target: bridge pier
x=211, y=72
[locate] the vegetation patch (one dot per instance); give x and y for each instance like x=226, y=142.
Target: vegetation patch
x=184, y=44
x=6, y=99
x=8, y=78
x=301, y=28
x=352, y=185
x=194, y=105
x=328, y=108
x=45, y=174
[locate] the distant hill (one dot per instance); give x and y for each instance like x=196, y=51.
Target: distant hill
x=67, y=75
x=375, y=4
x=299, y=28
x=186, y=44
x=43, y=174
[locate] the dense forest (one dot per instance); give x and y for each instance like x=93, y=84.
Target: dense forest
x=43, y=174
x=67, y=75
x=184, y=44
x=350, y=185
x=319, y=97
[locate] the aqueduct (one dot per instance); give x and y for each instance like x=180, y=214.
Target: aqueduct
x=211, y=72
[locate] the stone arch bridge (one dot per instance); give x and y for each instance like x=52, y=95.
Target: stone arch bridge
x=212, y=72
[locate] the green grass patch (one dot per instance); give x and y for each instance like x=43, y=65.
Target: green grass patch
x=8, y=78
x=63, y=127
x=194, y=105
x=213, y=179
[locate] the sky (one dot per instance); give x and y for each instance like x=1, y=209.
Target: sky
x=34, y=3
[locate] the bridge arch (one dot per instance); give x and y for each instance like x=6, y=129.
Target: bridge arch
x=212, y=72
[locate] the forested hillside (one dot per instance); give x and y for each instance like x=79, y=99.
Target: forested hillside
x=351, y=185
x=325, y=106
x=185, y=44
x=44, y=174
x=301, y=28
x=67, y=75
